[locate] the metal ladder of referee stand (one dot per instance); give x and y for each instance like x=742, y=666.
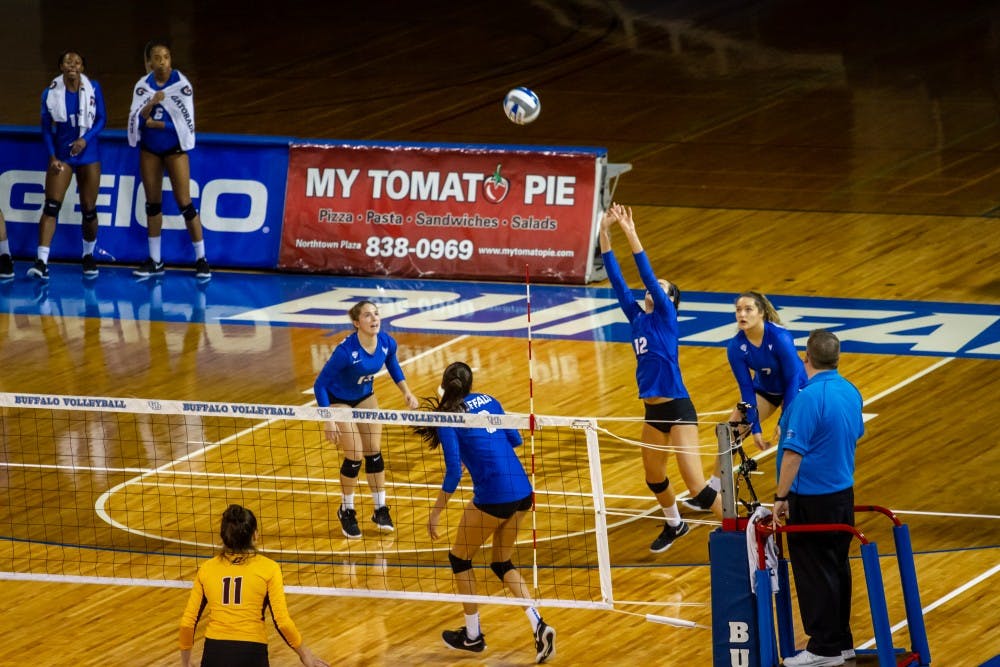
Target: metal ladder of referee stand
x=888, y=656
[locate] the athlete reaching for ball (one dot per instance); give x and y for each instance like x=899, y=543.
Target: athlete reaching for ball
x=670, y=418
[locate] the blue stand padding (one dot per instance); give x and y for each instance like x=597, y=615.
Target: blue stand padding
x=876, y=600
x=735, y=638
x=783, y=608
x=911, y=594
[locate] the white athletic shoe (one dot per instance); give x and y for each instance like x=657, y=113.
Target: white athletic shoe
x=807, y=659
x=848, y=654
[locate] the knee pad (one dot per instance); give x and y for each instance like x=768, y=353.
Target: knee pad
x=658, y=487
x=706, y=497
x=500, y=569
x=350, y=468
x=189, y=212
x=458, y=565
x=90, y=216
x=153, y=208
x=52, y=207
x=374, y=463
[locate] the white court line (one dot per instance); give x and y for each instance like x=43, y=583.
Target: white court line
x=941, y=600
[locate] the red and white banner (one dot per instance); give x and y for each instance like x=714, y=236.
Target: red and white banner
x=441, y=212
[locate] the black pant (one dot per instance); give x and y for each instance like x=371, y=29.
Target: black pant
x=822, y=569
x=229, y=653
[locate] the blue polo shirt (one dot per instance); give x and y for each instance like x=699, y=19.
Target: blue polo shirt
x=823, y=424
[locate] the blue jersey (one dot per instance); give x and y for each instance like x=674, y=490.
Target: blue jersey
x=487, y=453
x=654, y=335
x=350, y=372
x=823, y=425
x=58, y=137
x=165, y=139
x=772, y=368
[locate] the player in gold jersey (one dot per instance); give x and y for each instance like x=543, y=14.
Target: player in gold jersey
x=238, y=587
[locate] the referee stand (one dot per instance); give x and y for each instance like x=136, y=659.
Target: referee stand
x=748, y=629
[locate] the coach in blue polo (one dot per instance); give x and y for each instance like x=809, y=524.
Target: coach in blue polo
x=819, y=434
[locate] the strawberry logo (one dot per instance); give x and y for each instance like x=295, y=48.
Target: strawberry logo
x=496, y=187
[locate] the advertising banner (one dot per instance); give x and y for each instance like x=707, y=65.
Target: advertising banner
x=237, y=183
x=437, y=211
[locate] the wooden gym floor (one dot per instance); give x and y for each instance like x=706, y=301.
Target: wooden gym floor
x=803, y=149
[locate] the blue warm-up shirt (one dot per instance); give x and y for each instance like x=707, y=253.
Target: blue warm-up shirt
x=58, y=137
x=159, y=140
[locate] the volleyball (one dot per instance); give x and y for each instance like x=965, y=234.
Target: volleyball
x=521, y=105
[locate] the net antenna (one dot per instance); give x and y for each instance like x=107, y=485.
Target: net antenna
x=731, y=438
x=531, y=437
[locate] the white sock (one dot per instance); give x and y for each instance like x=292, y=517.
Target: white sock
x=378, y=497
x=154, y=249
x=716, y=483
x=534, y=617
x=4, y=247
x=673, y=516
x=88, y=247
x=472, y=625
x=199, y=249
x=347, y=502
x=43, y=253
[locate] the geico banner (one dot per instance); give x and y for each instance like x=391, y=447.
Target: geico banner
x=422, y=210
x=237, y=183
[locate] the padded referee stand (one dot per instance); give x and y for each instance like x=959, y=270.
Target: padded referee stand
x=742, y=623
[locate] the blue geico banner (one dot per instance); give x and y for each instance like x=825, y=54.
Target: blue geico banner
x=237, y=183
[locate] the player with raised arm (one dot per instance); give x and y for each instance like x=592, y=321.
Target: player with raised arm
x=347, y=380
x=502, y=495
x=670, y=419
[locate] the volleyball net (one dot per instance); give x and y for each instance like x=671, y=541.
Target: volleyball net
x=129, y=490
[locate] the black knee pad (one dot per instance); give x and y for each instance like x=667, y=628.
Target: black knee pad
x=189, y=212
x=659, y=487
x=706, y=497
x=500, y=569
x=153, y=208
x=52, y=207
x=90, y=216
x=374, y=463
x=350, y=468
x=458, y=565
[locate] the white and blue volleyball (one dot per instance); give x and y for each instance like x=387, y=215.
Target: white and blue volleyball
x=521, y=105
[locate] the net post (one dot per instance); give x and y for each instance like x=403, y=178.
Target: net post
x=728, y=491
x=600, y=511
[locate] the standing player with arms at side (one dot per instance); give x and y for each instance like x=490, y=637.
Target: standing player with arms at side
x=347, y=380
x=73, y=116
x=502, y=496
x=161, y=124
x=670, y=418
x=237, y=588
